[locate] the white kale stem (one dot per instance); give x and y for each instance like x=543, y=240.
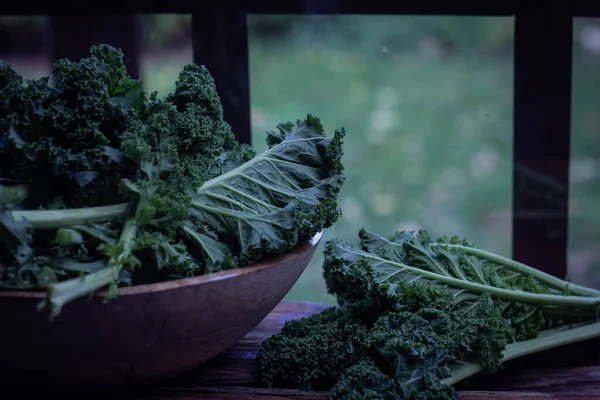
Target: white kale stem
x=548, y=339
x=547, y=279
x=542, y=299
x=218, y=180
x=55, y=219
x=14, y=194
x=234, y=172
x=61, y=293
x=66, y=218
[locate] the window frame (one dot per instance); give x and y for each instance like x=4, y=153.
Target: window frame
x=542, y=84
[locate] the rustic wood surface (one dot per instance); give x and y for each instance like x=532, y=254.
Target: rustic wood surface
x=571, y=372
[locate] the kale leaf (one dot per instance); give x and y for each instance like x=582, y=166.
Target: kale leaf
x=430, y=313
x=277, y=199
x=316, y=350
x=103, y=185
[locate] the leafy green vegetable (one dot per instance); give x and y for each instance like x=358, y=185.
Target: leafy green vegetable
x=274, y=201
x=124, y=188
x=318, y=349
x=527, y=297
x=364, y=380
x=429, y=314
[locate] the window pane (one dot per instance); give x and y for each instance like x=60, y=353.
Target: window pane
x=584, y=196
x=165, y=49
x=427, y=105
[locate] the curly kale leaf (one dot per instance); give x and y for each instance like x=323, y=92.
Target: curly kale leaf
x=403, y=352
x=8, y=76
x=365, y=381
x=435, y=312
x=196, y=86
x=311, y=353
x=163, y=258
x=380, y=265
x=418, y=348
x=274, y=201
x=76, y=141
x=64, y=138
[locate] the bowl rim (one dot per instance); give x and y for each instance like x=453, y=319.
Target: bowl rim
x=182, y=282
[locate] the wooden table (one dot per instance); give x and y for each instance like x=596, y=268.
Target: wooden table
x=572, y=372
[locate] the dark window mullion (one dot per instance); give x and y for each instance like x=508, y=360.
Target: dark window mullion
x=73, y=36
x=220, y=42
x=542, y=93
x=586, y=8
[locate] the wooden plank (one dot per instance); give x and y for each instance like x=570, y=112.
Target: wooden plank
x=542, y=105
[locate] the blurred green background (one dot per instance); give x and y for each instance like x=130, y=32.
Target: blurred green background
x=427, y=105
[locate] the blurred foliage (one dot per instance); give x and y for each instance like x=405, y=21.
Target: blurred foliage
x=166, y=32
x=427, y=105
x=400, y=33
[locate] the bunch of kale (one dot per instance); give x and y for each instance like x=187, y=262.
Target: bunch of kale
x=104, y=185
x=417, y=315
x=383, y=350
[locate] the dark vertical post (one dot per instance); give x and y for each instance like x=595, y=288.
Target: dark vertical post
x=220, y=42
x=542, y=93
x=73, y=36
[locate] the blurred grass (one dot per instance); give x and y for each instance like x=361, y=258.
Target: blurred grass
x=428, y=113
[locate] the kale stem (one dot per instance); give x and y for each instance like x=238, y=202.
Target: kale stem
x=87, y=267
x=63, y=292
x=547, y=279
x=54, y=219
x=548, y=339
x=226, y=213
x=248, y=164
x=234, y=172
x=14, y=194
x=503, y=294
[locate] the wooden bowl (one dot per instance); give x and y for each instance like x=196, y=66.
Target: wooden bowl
x=148, y=333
